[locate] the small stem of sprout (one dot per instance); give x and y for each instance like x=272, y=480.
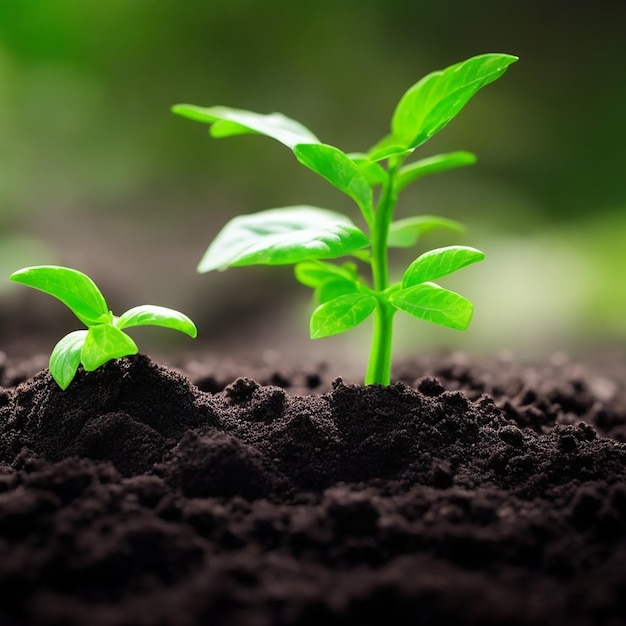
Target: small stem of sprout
x=379, y=367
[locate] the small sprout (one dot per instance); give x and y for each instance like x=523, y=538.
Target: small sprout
x=104, y=338
x=307, y=236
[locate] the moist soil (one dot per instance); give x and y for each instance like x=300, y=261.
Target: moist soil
x=464, y=493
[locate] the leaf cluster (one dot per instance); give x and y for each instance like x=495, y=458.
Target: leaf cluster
x=345, y=300
x=104, y=339
x=308, y=237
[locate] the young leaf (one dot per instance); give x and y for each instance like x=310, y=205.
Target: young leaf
x=431, y=165
x=332, y=289
x=387, y=148
x=151, y=315
x=406, y=232
x=76, y=290
x=375, y=174
x=65, y=358
x=226, y=121
x=341, y=314
x=282, y=237
x=432, y=303
x=439, y=262
x=314, y=273
x=438, y=97
x=103, y=343
x=339, y=170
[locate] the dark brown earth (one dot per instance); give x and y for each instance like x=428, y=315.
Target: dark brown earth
x=466, y=493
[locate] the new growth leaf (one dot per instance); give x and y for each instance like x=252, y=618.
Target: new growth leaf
x=104, y=338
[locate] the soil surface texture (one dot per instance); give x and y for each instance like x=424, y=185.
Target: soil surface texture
x=465, y=493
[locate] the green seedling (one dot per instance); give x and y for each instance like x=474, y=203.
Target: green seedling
x=307, y=236
x=104, y=338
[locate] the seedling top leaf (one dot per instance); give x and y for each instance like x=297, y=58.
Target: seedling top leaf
x=76, y=290
x=307, y=236
x=104, y=338
x=436, y=99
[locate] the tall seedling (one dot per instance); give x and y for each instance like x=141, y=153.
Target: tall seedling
x=307, y=236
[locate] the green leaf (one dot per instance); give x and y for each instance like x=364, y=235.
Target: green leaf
x=103, y=343
x=375, y=174
x=339, y=170
x=76, y=290
x=406, y=232
x=226, y=121
x=388, y=147
x=151, y=315
x=341, y=314
x=438, y=97
x=314, y=273
x=431, y=165
x=439, y=262
x=332, y=289
x=65, y=358
x=282, y=237
x=432, y=303
x=328, y=280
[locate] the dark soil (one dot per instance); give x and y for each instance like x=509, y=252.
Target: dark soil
x=482, y=494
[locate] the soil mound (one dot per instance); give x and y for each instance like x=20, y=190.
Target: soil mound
x=462, y=494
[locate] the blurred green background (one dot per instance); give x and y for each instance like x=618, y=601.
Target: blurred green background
x=97, y=174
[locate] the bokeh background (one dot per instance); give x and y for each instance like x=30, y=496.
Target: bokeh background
x=97, y=174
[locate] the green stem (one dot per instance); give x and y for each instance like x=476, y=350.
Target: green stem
x=379, y=367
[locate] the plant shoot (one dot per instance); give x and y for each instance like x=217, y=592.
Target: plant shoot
x=308, y=237
x=104, y=338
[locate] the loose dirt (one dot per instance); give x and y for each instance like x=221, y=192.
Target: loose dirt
x=463, y=494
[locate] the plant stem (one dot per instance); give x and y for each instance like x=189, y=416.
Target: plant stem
x=379, y=367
